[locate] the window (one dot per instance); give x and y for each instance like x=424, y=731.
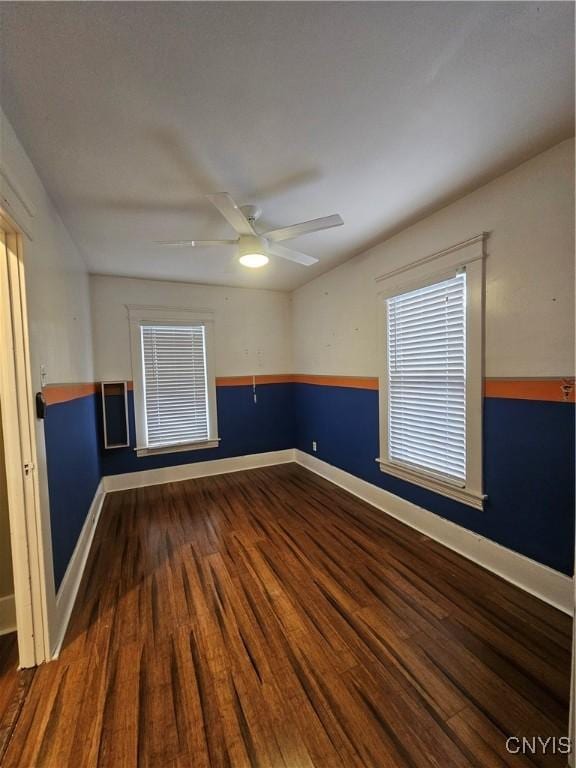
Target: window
x=174, y=388
x=431, y=383
x=427, y=377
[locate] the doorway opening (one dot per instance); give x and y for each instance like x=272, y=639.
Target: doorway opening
x=23, y=603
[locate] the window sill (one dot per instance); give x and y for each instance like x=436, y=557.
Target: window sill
x=436, y=484
x=198, y=446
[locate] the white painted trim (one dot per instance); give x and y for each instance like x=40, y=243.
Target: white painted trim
x=539, y=580
x=434, y=483
x=455, y=260
x=572, y=712
x=7, y=614
x=124, y=385
x=29, y=521
x=470, y=256
x=68, y=590
x=153, y=314
x=198, y=469
x=200, y=445
x=19, y=193
x=16, y=206
x=139, y=316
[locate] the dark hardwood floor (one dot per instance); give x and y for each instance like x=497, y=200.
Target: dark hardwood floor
x=13, y=688
x=268, y=618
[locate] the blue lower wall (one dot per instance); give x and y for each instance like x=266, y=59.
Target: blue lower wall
x=73, y=462
x=244, y=427
x=528, y=460
x=528, y=466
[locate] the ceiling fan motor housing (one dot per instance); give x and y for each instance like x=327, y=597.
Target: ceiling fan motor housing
x=252, y=212
x=252, y=244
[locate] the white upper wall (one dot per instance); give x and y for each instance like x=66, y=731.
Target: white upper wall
x=252, y=327
x=56, y=275
x=529, y=278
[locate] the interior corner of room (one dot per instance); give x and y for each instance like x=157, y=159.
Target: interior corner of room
x=160, y=370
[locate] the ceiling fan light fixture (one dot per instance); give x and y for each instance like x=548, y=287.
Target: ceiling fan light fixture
x=254, y=260
x=253, y=251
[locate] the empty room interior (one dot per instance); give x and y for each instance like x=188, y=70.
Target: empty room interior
x=287, y=456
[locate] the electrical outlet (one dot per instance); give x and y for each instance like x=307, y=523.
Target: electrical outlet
x=314, y=446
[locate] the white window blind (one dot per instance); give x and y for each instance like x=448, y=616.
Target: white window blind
x=175, y=385
x=427, y=378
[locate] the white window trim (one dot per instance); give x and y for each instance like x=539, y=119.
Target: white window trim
x=146, y=315
x=468, y=255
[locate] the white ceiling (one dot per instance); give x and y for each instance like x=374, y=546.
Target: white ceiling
x=131, y=112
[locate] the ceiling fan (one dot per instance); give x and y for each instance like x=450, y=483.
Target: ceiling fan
x=254, y=246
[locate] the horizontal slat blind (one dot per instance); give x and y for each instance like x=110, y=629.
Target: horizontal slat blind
x=175, y=387
x=427, y=378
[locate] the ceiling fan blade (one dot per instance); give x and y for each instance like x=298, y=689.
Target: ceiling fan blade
x=288, y=253
x=232, y=213
x=295, y=230
x=193, y=243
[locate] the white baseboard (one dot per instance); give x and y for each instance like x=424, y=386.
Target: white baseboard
x=545, y=583
x=7, y=615
x=68, y=590
x=198, y=469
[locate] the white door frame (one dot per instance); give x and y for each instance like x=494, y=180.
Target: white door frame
x=27, y=532
x=572, y=715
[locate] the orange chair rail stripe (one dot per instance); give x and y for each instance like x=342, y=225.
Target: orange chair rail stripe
x=62, y=393
x=353, y=382
x=247, y=381
x=548, y=390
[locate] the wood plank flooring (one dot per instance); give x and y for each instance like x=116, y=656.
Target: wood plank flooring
x=14, y=686
x=268, y=618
